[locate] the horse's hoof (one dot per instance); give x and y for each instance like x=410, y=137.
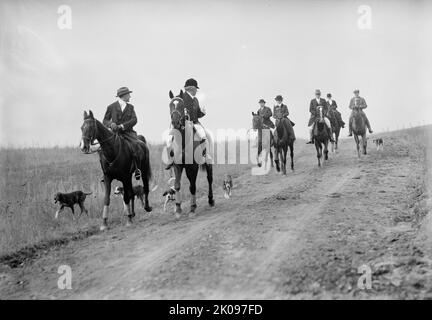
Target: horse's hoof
x=103, y=227
x=148, y=209
x=211, y=203
x=259, y=165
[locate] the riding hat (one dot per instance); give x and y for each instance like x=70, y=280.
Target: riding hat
x=356, y=91
x=191, y=83
x=262, y=101
x=317, y=91
x=279, y=98
x=329, y=95
x=122, y=91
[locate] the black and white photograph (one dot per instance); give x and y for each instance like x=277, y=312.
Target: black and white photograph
x=206, y=150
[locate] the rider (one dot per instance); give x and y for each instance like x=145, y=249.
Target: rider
x=194, y=112
x=266, y=113
x=313, y=109
x=280, y=110
x=331, y=104
x=360, y=103
x=120, y=117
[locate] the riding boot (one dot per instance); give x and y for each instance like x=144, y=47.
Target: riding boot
x=137, y=173
x=311, y=141
x=368, y=124
x=350, y=129
x=330, y=132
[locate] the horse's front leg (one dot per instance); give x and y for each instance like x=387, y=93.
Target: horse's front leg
x=107, y=184
x=326, y=151
x=128, y=195
x=177, y=172
x=284, y=158
x=292, y=155
x=191, y=174
x=318, y=149
x=146, y=188
x=364, y=144
x=209, y=169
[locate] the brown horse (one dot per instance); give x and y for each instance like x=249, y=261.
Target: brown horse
x=117, y=163
x=359, y=130
x=264, y=149
x=321, y=136
x=283, y=138
x=335, y=127
x=188, y=154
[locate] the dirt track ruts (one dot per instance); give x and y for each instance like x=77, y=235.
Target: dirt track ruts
x=299, y=236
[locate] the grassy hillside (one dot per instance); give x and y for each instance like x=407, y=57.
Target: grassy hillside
x=31, y=177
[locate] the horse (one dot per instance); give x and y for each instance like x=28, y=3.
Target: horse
x=283, y=138
x=359, y=129
x=321, y=136
x=187, y=154
x=117, y=162
x=258, y=126
x=331, y=114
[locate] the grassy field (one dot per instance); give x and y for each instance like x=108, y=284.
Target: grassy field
x=32, y=176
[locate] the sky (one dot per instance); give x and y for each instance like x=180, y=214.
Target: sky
x=239, y=52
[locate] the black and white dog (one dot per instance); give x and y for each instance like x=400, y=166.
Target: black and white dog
x=169, y=196
x=138, y=191
x=379, y=143
x=227, y=186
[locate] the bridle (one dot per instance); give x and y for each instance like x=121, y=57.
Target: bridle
x=175, y=111
x=92, y=138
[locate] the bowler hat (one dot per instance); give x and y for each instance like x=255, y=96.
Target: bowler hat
x=317, y=91
x=122, y=91
x=279, y=98
x=329, y=95
x=261, y=101
x=191, y=83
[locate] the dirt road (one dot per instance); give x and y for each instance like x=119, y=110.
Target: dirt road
x=300, y=236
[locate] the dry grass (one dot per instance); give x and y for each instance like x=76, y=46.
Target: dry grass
x=31, y=177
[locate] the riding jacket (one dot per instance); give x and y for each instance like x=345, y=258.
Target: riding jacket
x=314, y=110
x=127, y=117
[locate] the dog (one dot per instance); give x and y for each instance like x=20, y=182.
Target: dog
x=379, y=143
x=69, y=200
x=138, y=191
x=227, y=186
x=169, y=196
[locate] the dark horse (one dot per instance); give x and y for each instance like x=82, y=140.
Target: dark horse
x=283, y=138
x=188, y=155
x=359, y=129
x=321, y=136
x=258, y=126
x=117, y=163
x=336, y=128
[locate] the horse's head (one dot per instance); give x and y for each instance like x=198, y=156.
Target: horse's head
x=320, y=113
x=88, y=132
x=257, y=121
x=177, y=110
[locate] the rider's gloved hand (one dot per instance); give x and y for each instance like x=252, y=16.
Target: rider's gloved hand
x=113, y=127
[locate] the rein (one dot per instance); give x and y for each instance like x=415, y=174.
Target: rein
x=99, y=150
